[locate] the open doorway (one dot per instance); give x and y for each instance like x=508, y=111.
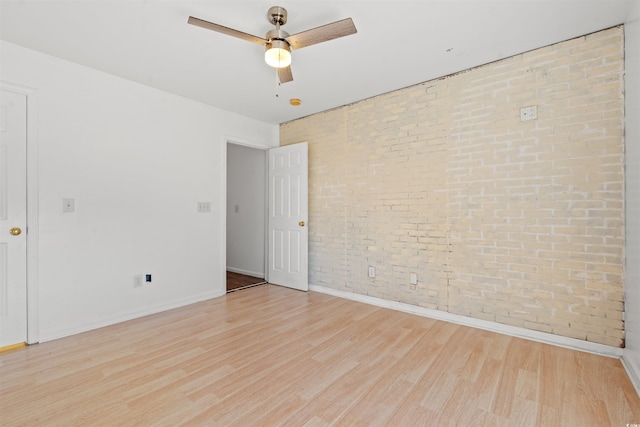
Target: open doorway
x=246, y=216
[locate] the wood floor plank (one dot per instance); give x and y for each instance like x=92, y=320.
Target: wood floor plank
x=273, y=356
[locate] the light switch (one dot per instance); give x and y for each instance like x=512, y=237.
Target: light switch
x=204, y=207
x=68, y=205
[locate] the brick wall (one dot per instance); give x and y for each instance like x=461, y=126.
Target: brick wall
x=515, y=222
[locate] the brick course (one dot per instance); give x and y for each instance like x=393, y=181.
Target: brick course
x=520, y=223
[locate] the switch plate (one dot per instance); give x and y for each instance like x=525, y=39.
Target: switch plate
x=204, y=207
x=413, y=279
x=68, y=205
x=372, y=271
x=529, y=113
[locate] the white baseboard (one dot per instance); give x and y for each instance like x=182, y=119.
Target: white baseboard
x=543, y=337
x=246, y=272
x=130, y=316
x=632, y=368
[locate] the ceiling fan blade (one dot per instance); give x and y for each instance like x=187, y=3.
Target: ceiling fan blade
x=321, y=34
x=284, y=74
x=226, y=30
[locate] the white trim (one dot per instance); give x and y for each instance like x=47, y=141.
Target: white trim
x=246, y=272
x=33, y=293
x=223, y=215
x=133, y=315
x=543, y=337
x=266, y=216
x=228, y=139
x=633, y=370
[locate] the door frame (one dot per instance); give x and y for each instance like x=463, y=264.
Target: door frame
x=227, y=139
x=33, y=290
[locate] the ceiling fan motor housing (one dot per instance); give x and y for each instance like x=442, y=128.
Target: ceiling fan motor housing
x=276, y=35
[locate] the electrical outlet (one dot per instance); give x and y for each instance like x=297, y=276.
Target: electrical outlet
x=68, y=205
x=372, y=272
x=529, y=113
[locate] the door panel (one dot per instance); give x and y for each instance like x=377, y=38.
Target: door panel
x=13, y=202
x=4, y=285
x=288, y=211
x=295, y=263
x=278, y=250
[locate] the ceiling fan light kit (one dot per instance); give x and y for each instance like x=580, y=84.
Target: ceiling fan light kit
x=278, y=54
x=279, y=43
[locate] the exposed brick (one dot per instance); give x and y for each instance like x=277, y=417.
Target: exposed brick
x=515, y=222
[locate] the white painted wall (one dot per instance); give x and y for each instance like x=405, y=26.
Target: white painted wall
x=137, y=161
x=246, y=190
x=631, y=356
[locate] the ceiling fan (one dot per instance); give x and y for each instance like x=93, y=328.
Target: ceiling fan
x=279, y=43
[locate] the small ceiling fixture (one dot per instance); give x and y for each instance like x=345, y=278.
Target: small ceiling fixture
x=295, y=101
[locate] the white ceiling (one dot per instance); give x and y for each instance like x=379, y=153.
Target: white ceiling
x=398, y=44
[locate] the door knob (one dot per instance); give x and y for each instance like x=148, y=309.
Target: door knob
x=301, y=223
x=15, y=231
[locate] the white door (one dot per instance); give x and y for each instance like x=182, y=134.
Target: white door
x=288, y=212
x=13, y=218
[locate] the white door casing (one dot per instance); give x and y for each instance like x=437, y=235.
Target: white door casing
x=288, y=216
x=13, y=216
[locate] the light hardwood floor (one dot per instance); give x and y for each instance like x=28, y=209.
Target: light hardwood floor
x=272, y=356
